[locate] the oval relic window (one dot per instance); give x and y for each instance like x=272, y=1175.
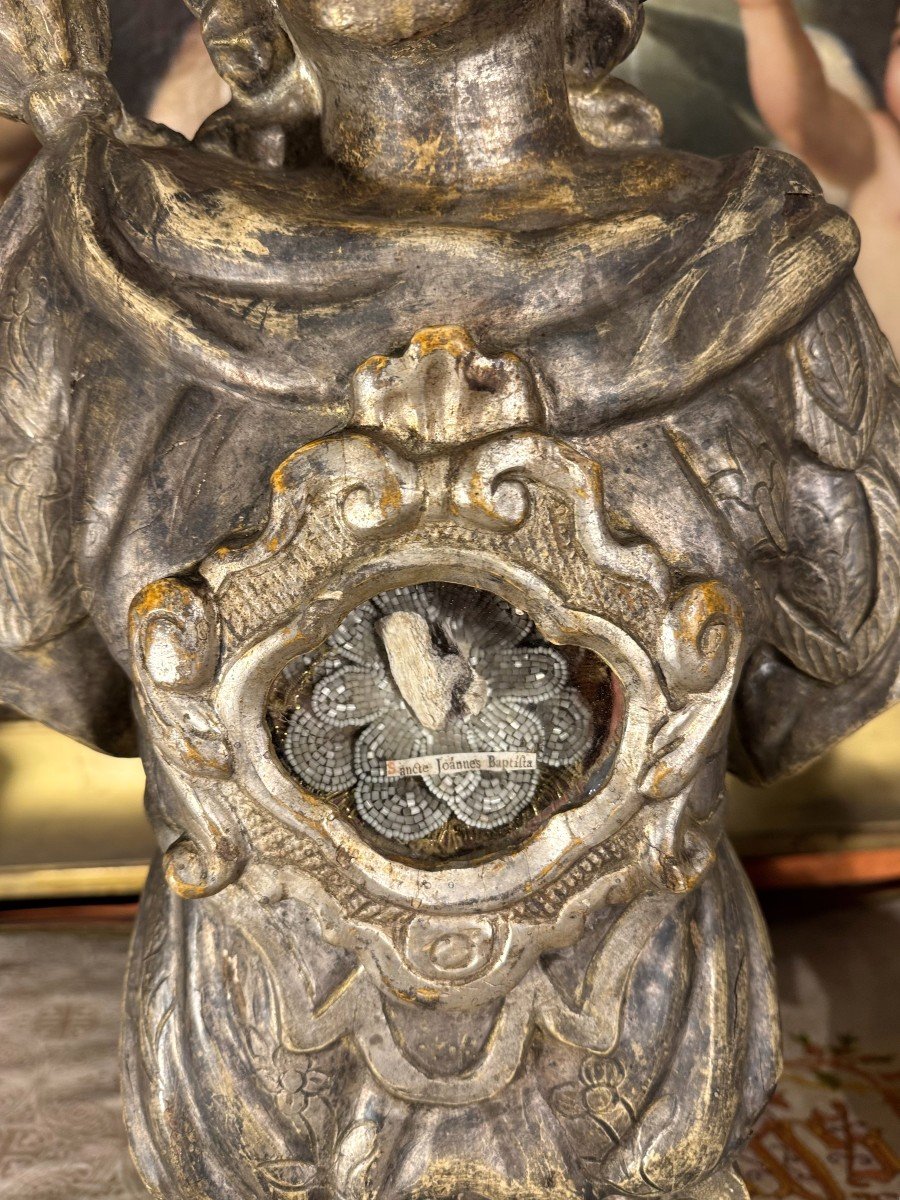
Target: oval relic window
x=441, y=723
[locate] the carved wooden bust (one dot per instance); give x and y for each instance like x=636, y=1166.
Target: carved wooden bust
x=459, y=482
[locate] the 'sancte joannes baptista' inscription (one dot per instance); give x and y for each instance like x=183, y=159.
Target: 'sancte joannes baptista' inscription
x=458, y=764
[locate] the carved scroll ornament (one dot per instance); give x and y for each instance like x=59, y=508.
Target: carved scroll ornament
x=432, y=483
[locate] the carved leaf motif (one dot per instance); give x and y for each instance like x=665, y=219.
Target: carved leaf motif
x=288, y=1177
x=830, y=575
x=831, y=652
x=288, y=1076
x=832, y=357
x=158, y=969
x=253, y=1001
x=39, y=598
x=839, y=380
x=756, y=485
x=841, y=594
x=188, y=733
x=357, y=1151
x=731, y=453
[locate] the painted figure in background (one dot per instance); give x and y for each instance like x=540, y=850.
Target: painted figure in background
x=844, y=143
x=692, y=63
x=458, y=491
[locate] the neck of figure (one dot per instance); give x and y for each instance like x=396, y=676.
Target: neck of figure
x=469, y=108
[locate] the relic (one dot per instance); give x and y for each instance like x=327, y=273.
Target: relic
x=459, y=495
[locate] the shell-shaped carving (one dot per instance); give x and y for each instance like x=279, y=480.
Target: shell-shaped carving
x=53, y=58
x=436, y=395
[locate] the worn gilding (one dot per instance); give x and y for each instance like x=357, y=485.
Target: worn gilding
x=396, y=332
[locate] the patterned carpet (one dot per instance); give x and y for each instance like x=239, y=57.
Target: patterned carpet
x=833, y=1129
x=831, y=1133
x=61, y=1132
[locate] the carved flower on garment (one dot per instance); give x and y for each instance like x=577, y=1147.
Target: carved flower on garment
x=433, y=670
x=595, y=1096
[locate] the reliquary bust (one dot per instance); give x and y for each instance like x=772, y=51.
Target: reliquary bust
x=442, y=484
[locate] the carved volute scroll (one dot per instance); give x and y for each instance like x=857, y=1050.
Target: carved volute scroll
x=461, y=503
x=446, y=474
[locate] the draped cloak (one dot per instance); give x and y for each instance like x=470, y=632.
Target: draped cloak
x=173, y=329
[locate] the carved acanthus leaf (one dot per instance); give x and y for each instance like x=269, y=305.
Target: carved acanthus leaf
x=839, y=372
x=39, y=598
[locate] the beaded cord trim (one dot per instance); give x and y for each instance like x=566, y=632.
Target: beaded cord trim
x=352, y=718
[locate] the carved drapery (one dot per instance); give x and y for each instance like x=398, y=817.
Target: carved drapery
x=439, y=487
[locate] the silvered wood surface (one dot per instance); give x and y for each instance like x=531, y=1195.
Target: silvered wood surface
x=425, y=332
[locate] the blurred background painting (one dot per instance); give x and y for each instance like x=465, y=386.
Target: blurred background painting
x=692, y=63
x=71, y=821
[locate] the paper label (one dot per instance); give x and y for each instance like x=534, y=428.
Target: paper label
x=456, y=764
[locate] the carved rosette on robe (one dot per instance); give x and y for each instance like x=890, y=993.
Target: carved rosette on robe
x=603, y=984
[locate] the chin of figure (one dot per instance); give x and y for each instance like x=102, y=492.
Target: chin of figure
x=381, y=22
